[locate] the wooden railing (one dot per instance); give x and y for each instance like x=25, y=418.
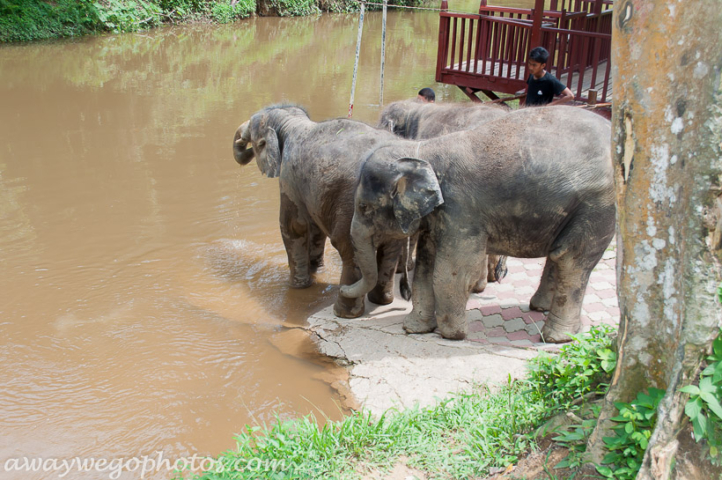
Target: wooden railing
x=488, y=51
x=483, y=49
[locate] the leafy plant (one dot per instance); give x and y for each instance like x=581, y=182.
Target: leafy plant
x=574, y=438
x=583, y=367
x=635, y=423
x=703, y=407
x=225, y=12
x=128, y=16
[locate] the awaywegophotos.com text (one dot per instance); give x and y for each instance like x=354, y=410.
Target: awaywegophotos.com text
x=142, y=466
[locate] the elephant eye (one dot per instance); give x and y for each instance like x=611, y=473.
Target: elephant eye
x=362, y=206
x=261, y=142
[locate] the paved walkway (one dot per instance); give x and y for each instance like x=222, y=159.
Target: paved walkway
x=388, y=368
x=500, y=314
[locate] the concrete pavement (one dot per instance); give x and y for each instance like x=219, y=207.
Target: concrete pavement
x=388, y=368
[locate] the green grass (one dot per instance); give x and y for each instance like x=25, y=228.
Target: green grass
x=460, y=437
x=26, y=20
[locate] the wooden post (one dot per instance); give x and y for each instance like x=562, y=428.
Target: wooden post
x=443, y=40
x=592, y=99
x=538, y=15
x=358, y=50
x=383, y=52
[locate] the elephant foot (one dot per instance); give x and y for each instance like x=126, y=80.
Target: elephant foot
x=540, y=303
x=480, y=286
x=557, y=331
x=451, y=331
x=413, y=323
x=381, y=295
x=302, y=282
x=348, y=307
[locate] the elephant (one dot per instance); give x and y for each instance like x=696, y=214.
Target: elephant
x=416, y=120
x=537, y=182
x=317, y=165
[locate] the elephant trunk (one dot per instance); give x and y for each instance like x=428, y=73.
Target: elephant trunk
x=365, y=259
x=242, y=154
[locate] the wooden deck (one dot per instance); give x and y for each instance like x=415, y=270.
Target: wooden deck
x=487, y=51
x=485, y=69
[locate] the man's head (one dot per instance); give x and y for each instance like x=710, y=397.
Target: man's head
x=537, y=61
x=427, y=95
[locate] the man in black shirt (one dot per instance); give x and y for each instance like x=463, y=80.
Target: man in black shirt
x=542, y=86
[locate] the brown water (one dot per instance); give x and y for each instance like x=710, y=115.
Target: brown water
x=143, y=281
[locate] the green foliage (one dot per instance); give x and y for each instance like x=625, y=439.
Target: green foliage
x=574, y=438
x=294, y=8
x=22, y=20
x=635, y=423
x=486, y=429
x=582, y=367
x=128, y=16
x=703, y=407
x=224, y=12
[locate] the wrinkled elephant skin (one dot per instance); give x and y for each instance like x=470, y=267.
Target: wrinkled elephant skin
x=535, y=183
x=317, y=165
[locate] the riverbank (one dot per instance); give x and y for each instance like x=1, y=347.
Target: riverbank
x=28, y=20
x=469, y=434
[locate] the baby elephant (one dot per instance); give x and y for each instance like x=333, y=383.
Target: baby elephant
x=536, y=182
x=317, y=165
x=420, y=121
x=417, y=120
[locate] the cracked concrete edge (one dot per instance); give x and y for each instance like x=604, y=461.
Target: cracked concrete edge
x=391, y=369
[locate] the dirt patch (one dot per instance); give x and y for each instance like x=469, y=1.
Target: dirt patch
x=401, y=471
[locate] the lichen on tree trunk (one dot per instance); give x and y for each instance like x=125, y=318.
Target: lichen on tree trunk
x=667, y=130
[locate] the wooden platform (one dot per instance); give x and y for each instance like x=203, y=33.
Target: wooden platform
x=507, y=71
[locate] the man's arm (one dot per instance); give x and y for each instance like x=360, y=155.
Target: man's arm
x=564, y=97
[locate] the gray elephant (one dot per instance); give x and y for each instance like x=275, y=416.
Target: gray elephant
x=537, y=182
x=317, y=165
x=417, y=120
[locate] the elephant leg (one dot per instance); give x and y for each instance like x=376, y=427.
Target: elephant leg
x=348, y=307
x=456, y=273
x=541, y=301
x=318, y=244
x=422, y=318
x=484, y=274
x=386, y=259
x=295, y=232
x=573, y=262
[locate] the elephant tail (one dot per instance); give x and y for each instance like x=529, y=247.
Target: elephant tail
x=500, y=269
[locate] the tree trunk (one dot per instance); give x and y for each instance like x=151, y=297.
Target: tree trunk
x=667, y=137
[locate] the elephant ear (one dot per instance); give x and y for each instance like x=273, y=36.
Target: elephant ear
x=271, y=163
x=416, y=192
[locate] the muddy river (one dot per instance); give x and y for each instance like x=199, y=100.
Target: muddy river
x=143, y=280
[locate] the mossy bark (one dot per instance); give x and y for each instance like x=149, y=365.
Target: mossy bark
x=667, y=129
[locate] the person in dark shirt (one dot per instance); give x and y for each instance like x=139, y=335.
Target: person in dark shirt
x=542, y=86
